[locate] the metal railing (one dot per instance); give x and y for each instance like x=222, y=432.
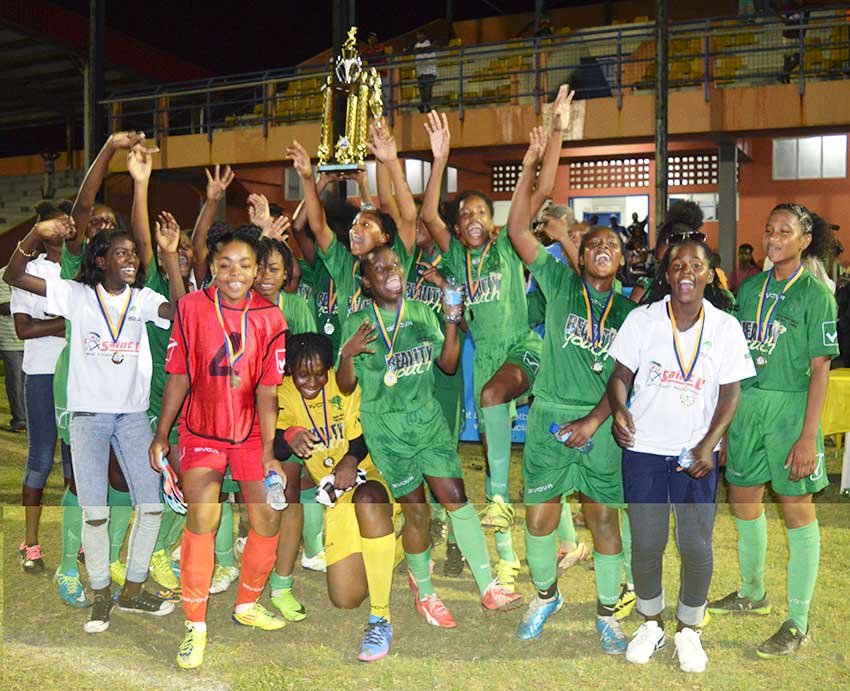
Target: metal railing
x=598, y=63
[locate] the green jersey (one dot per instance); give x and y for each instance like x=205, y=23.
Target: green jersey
x=421, y=290
x=68, y=267
x=417, y=345
x=299, y=317
x=319, y=290
x=567, y=347
x=157, y=340
x=803, y=327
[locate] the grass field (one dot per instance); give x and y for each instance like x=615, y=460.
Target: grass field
x=45, y=646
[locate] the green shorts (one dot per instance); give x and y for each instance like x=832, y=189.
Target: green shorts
x=524, y=352
x=228, y=484
x=550, y=469
x=448, y=389
x=766, y=425
x=410, y=445
x=153, y=418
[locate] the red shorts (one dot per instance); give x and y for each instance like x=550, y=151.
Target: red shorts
x=245, y=460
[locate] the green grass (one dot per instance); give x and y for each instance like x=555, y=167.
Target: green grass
x=45, y=646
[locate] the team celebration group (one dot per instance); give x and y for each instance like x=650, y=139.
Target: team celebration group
x=323, y=393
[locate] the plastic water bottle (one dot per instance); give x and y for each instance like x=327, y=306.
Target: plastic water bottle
x=453, y=297
x=587, y=447
x=275, y=496
x=686, y=458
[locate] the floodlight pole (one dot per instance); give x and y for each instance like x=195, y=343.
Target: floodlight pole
x=661, y=47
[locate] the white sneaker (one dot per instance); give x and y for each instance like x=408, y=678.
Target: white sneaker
x=316, y=563
x=223, y=577
x=239, y=546
x=647, y=640
x=692, y=657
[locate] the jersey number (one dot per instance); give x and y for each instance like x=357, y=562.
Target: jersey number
x=219, y=366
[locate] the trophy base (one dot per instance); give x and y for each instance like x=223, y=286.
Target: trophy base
x=341, y=167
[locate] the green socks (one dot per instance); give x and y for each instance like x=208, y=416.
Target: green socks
x=450, y=533
x=804, y=548
x=224, y=537
x=497, y=427
x=752, y=551
x=472, y=544
x=505, y=546
x=566, y=529
x=420, y=567
x=277, y=583
x=626, y=539
x=541, y=553
x=120, y=511
x=607, y=569
x=168, y=517
x=72, y=527
x=438, y=512
x=314, y=522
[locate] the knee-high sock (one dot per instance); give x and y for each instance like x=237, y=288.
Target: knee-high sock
x=566, y=528
x=450, y=532
x=472, y=544
x=438, y=513
x=120, y=510
x=505, y=545
x=626, y=538
x=257, y=563
x=541, y=553
x=314, y=523
x=804, y=548
x=607, y=569
x=175, y=532
x=168, y=518
x=197, y=560
x=420, y=566
x=378, y=558
x=497, y=427
x=72, y=531
x=224, y=537
x=752, y=551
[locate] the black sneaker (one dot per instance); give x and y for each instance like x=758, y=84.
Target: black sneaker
x=438, y=531
x=145, y=603
x=453, y=566
x=733, y=603
x=99, y=620
x=31, y=561
x=787, y=641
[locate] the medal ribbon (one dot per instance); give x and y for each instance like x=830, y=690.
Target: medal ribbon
x=389, y=342
x=765, y=313
x=280, y=301
x=332, y=297
x=355, y=299
x=114, y=332
x=472, y=287
x=686, y=372
x=326, y=440
x=421, y=279
x=596, y=329
x=233, y=355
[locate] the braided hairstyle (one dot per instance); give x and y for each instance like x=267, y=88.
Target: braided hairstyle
x=90, y=273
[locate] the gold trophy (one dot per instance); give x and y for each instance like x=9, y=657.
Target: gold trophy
x=342, y=147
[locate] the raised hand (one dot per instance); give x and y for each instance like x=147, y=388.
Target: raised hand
x=218, y=182
x=437, y=127
x=359, y=342
x=536, y=146
x=300, y=159
x=126, y=140
x=382, y=144
x=167, y=233
x=258, y=210
x=278, y=229
x=56, y=228
x=140, y=162
x=561, y=108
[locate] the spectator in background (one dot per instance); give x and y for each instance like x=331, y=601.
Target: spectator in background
x=48, y=185
x=722, y=279
x=426, y=70
x=594, y=220
x=614, y=223
x=12, y=352
x=375, y=56
x=638, y=228
x=746, y=267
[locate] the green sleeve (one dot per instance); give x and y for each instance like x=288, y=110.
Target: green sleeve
x=536, y=307
x=70, y=264
x=338, y=260
x=299, y=317
x=454, y=258
x=821, y=325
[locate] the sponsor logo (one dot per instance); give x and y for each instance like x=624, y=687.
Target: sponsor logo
x=417, y=360
x=819, y=468
x=200, y=449
x=280, y=359
x=575, y=334
x=830, y=334
x=538, y=490
x=93, y=344
x=172, y=344
x=336, y=402
x=751, y=334
x=402, y=483
x=489, y=288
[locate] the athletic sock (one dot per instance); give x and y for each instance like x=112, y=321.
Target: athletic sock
x=626, y=539
x=607, y=569
x=541, y=553
x=257, y=562
x=420, y=567
x=566, y=528
x=168, y=516
x=438, y=512
x=497, y=427
x=224, y=537
x=378, y=558
x=472, y=544
x=803, y=562
x=752, y=552
x=197, y=560
x=175, y=532
x=314, y=522
x=72, y=531
x=450, y=532
x=278, y=583
x=505, y=546
x=120, y=511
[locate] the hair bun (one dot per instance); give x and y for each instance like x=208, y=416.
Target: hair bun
x=685, y=212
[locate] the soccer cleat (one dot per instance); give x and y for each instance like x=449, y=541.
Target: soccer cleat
x=160, y=569
x=259, y=617
x=435, y=612
x=317, y=563
x=497, y=598
x=572, y=557
x=145, y=603
x=169, y=595
x=497, y=514
x=288, y=606
x=692, y=657
x=453, y=566
x=71, y=589
x=611, y=637
x=786, y=641
x=733, y=603
x=99, y=618
x=31, y=561
x=648, y=639
x=118, y=573
x=191, y=652
x=376, y=642
x=439, y=530
x=223, y=577
x=625, y=603
x=537, y=615
x=411, y=579
x=506, y=573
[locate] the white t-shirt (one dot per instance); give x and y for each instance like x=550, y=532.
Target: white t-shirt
x=669, y=413
x=40, y=354
x=426, y=61
x=106, y=376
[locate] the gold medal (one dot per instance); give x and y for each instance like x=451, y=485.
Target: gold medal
x=234, y=354
x=117, y=358
x=235, y=381
x=390, y=378
x=761, y=361
x=328, y=328
x=597, y=367
x=328, y=462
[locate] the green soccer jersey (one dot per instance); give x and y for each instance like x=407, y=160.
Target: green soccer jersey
x=68, y=267
x=320, y=291
x=417, y=345
x=157, y=340
x=299, y=317
x=803, y=327
x=421, y=290
x=567, y=348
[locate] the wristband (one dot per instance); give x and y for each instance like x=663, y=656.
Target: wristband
x=290, y=433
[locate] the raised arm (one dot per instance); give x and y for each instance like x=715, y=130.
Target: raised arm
x=168, y=240
x=307, y=244
x=16, y=272
x=385, y=192
x=312, y=203
x=519, y=216
x=140, y=165
x=217, y=185
x=437, y=127
x=363, y=189
x=383, y=146
x=552, y=155
x=357, y=344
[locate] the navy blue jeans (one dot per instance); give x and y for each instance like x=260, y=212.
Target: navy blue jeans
x=41, y=429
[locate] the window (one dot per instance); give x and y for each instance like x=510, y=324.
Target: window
x=801, y=158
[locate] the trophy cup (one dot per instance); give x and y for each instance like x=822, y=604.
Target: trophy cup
x=342, y=147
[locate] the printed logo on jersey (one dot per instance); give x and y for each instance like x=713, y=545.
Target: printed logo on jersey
x=322, y=300
x=830, y=334
x=172, y=344
x=428, y=294
x=305, y=291
x=751, y=334
x=689, y=391
x=575, y=334
x=416, y=360
x=489, y=288
x=94, y=345
x=819, y=468
x=336, y=402
x=280, y=359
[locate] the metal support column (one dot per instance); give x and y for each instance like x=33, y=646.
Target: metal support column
x=661, y=44
x=95, y=121
x=727, y=208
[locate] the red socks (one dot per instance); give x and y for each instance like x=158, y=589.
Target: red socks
x=257, y=562
x=197, y=560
